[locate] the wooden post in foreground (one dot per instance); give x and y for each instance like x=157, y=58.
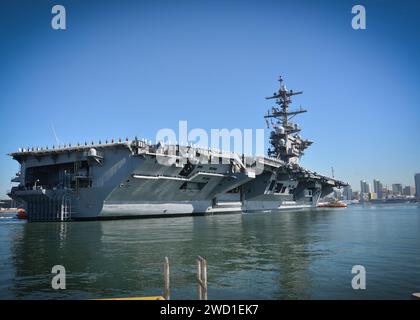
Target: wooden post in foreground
x=166, y=294
x=201, y=278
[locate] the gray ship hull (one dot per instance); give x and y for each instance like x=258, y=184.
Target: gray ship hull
x=123, y=180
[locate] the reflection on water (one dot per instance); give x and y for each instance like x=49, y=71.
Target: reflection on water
x=296, y=255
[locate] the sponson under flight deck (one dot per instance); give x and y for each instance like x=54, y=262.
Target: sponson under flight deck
x=134, y=178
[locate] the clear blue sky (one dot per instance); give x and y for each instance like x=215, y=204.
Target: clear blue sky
x=126, y=68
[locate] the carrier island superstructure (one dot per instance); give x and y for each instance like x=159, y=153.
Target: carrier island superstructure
x=134, y=178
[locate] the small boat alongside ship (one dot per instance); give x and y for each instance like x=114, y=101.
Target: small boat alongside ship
x=21, y=214
x=332, y=204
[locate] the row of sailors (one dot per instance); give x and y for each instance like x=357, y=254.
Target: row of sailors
x=78, y=145
x=119, y=141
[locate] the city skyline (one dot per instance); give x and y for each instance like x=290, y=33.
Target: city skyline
x=132, y=69
x=378, y=187
x=378, y=191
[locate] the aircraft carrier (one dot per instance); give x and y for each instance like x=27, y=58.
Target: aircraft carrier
x=135, y=178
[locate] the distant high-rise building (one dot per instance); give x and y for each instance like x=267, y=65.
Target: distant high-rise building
x=348, y=193
x=364, y=187
x=378, y=188
x=397, y=189
x=417, y=182
x=364, y=191
x=386, y=192
x=356, y=195
x=408, y=191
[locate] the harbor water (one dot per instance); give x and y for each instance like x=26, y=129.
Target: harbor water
x=283, y=255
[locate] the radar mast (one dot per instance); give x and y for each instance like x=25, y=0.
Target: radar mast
x=286, y=144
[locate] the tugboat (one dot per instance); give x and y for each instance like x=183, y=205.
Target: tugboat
x=332, y=204
x=21, y=214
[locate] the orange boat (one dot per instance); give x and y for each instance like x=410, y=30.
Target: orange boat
x=21, y=214
x=332, y=204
